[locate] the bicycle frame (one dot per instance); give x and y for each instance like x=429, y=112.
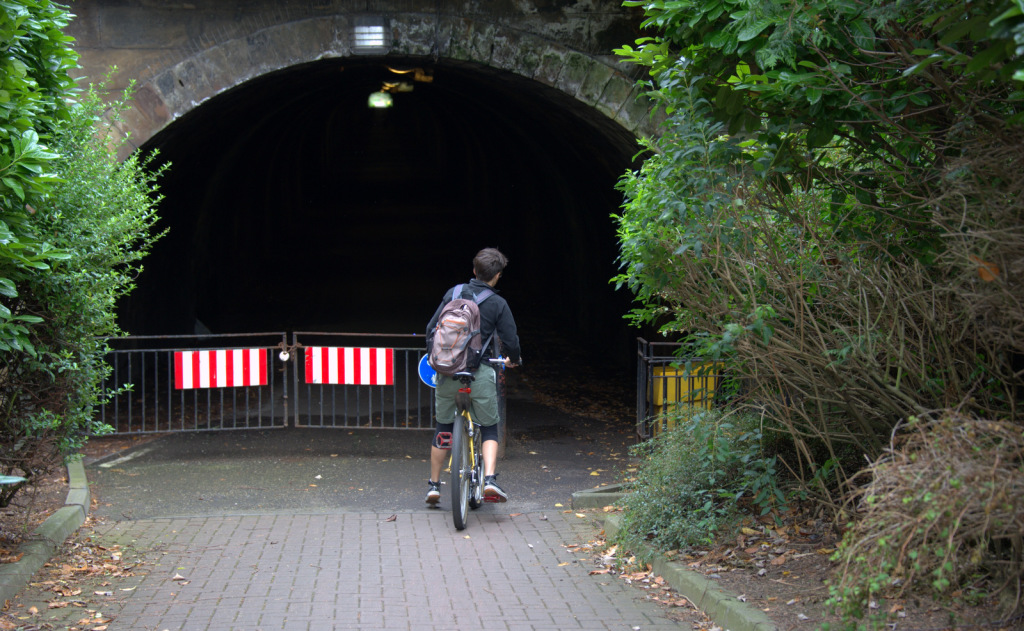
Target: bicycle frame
x=466, y=460
x=466, y=468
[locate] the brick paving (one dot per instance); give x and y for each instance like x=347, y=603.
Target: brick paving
x=356, y=570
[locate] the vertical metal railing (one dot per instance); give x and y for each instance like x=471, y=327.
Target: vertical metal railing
x=666, y=380
x=407, y=403
x=141, y=397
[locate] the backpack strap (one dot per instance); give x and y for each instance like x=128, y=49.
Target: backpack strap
x=477, y=298
x=483, y=295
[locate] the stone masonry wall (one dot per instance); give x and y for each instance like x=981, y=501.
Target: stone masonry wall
x=183, y=53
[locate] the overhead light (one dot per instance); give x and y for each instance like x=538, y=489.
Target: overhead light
x=418, y=74
x=369, y=36
x=398, y=86
x=379, y=100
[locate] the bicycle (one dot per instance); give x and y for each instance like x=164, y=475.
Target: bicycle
x=467, y=460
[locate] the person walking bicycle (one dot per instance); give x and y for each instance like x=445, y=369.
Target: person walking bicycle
x=495, y=319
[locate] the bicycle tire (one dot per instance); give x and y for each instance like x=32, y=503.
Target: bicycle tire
x=461, y=473
x=476, y=490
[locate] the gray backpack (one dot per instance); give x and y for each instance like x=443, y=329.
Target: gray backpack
x=454, y=344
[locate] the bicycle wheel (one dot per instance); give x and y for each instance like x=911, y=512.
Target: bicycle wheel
x=476, y=490
x=462, y=472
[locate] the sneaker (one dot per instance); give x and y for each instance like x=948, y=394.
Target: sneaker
x=493, y=492
x=433, y=492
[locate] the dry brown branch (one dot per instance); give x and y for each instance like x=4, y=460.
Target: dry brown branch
x=945, y=501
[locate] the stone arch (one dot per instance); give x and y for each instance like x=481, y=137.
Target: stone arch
x=602, y=87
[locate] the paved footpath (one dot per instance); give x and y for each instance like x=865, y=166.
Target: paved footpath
x=292, y=531
x=361, y=571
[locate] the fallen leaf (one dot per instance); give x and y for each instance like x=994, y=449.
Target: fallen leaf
x=594, y=473
x=604, y=571
x=392, y=518
x=563, y=564
x=987, y=271
x=178, y=577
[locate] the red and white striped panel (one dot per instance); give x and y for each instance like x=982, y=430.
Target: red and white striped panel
x=228, y=368
x=350, y=366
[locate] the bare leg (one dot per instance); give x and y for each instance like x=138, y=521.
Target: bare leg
x=437, y=458
x=490, y=448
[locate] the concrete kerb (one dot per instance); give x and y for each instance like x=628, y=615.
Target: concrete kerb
x=599, y=497
x=50, y=535
x=724, y=608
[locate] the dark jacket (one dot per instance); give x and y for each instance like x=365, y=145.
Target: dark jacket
x=494, y=316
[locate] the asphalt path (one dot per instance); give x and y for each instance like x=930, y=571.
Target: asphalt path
x=549, y=456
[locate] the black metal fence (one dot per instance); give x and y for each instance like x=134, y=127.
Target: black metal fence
x=261, y=381
x=146, y=393
x=337, y=387
x=667, y=379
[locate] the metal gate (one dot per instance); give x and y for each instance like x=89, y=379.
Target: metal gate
x=262, y=381
x=364, y=380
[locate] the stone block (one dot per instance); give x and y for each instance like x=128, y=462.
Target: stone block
x=635, y=112
x=594, y=83
x=574, y=72
x=616, y=91
x=551, y=61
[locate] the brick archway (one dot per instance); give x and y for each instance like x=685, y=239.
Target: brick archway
x=178, y=83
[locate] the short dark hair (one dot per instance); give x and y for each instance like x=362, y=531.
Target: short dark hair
x=488, y=263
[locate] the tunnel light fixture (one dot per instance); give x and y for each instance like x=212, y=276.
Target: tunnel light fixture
x=379, y=99
x=370, y=36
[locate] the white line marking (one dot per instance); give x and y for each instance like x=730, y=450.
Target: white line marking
x=112, y=463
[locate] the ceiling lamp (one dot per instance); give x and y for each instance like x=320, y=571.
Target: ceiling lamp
x=379, y=100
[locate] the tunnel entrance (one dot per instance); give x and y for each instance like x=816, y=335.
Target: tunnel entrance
x=292, y=205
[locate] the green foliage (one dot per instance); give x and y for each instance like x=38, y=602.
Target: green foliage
x=101, y=213
x=698, y=478
x=829, y=214
x=34, y=92
x=59, y=292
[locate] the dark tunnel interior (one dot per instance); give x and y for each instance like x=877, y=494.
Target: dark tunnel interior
x=293, y=206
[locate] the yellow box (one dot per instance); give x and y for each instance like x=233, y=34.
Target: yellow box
x=673, y=386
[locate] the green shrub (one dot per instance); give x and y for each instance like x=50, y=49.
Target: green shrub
x=98, y=214
x=697, y=478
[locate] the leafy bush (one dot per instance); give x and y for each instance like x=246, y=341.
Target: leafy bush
x=98, y=215
x=944, y=504
x=834, y=208
x=696, y=478
x=36, y=90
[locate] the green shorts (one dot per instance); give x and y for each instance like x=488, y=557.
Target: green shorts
x=484, y=397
